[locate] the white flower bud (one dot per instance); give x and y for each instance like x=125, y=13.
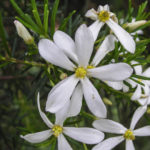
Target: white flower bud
x=23, y=32
x=134, y=25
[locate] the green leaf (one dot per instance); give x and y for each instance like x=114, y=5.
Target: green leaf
x=35, y=13
x=46, y=14
x=53, y=16
x=137, y=81
x=140, y=77
x=65, y=21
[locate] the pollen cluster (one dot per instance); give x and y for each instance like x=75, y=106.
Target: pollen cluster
x=90, y=67
x=80, y=72
x=57, y=130
x=103, y=16
x=129, y=135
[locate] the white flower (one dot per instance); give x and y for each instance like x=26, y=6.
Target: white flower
x=102, y=16
x=80, y=51
x=85, y=135
x=138, y=91
x=128, y=135
x=23, y=32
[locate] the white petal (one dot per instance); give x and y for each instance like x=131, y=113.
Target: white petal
x=146, y=88
x=84, y=43
x=125, y=88
x=92, y=14
x=129, y=145
x=107, y=45
x=100, y=8
x=124, y=37
x=133, y=84
x=144, y=131
x=50, y=52
x=62, y=114
x=115, y=85
x=37, y=137
x=85, y=135
x=65, y=42
x=60, y=95
x=138, y=68
x=63, y=144
x=93, y=99
x=146, y=73
x=109, y=126
x=106, y=7
x=143, y=101
x=43, y=116
x=109, y=143
x=76, y=101
x=137, y=115
x=137, y=94
x=112, y=72
x=95, y=28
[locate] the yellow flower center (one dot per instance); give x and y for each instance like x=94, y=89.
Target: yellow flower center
x=80, y=72
x=90, y=67
x=129, y=135
x=57, y=130
x=103, y=16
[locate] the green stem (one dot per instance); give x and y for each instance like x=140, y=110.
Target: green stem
x=26, y=62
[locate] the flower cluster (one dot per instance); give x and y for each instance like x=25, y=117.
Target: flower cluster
x=65, y=98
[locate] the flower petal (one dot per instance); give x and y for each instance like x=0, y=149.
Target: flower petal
x=138, y=68
x=146, y=89
x=60, y=95
x=50, y=52
x=37, y=137
x=76, y=101
x=137, y=94
x=100, y=8
x=85, y=135
x=111, y=72
x=109, y=126
x=92, y=14
x=124, y=37
x=129, y=145
x=137, y=115
x=107, y=45
x=106, y=7
x=143, y=101
x=84, y=43
x=144, y=131
x=62, y=114
x=95, y=28
x=43, y=116
x=65, y=42
x=115, y=85
x=63, y=143
x=93, y=99
x=109, y=143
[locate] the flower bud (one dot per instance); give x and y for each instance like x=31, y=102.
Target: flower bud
x=134, y=25
x=23, y=32
x=63, y=76
x=148, y=110
x=107, y=101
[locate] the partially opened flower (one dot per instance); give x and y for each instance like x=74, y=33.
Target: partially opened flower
x=102, y=16
x=128, y=135
x=80, y=51
x=85, y=135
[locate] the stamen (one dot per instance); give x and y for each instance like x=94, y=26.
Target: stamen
x=129, y=135
x=140, y=80
x=80, y=72
x=90, y=67
x=57, y=130
x=103, y=16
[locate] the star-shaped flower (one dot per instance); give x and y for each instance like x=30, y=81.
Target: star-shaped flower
x=102, y=16
x=80, y=51
x=85, y=135
x=129, y=135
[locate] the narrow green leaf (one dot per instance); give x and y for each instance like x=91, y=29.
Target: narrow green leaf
x=46, y=15
x=140, y=77
x=35, y=13
x=137, y=81
x=65, y=21
x=53, y=17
